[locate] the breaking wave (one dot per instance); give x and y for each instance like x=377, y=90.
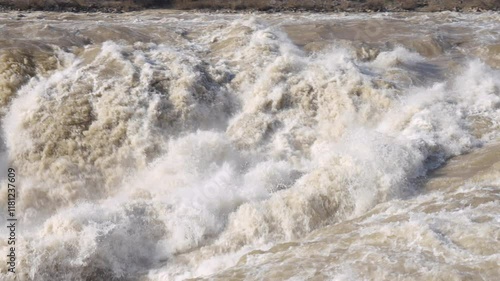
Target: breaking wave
x=159, y=161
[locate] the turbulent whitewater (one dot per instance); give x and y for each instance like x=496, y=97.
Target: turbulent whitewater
x=161, y=145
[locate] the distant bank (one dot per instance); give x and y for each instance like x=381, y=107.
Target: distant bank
x=261, y=5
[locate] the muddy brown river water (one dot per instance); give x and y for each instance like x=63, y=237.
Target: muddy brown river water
x=166, y=145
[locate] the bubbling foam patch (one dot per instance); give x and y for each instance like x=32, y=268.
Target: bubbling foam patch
x=81, y=130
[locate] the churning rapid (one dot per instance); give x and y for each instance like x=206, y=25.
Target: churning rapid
x=161, y=145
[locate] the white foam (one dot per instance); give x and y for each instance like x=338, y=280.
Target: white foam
x=148, y=159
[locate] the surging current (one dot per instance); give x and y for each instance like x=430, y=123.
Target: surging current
x=169, y=146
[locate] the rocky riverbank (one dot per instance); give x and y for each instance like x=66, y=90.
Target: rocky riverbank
x=258, y=5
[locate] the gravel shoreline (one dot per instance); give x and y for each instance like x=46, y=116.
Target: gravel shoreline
x=271, y=6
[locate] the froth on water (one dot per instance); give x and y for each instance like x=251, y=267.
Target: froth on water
x=168, y=146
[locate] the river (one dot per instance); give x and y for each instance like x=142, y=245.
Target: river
x=166, y=145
